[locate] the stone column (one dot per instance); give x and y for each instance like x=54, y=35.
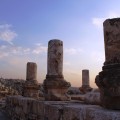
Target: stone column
x=55, y=86
x=55, y=58
x=109, y=79
x=31, y=71
x=85, y=81
x=85, y=78
x=31, y=85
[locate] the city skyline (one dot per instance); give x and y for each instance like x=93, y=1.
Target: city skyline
x=27, y=26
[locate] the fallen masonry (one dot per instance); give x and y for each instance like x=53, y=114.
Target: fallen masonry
x=24, y=108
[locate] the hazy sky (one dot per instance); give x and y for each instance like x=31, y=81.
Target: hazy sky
x=26, y=26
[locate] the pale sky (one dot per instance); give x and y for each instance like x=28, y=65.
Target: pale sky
x=26, y=26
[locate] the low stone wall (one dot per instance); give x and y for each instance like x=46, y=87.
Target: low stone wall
x=23, y=108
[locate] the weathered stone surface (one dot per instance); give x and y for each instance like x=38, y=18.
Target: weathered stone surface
x=31, y=73
x=78, y=97
x=55, y=57
x=54, y=85
x=108, y=79
x=31, y=86
x=112, y=40
x=85, y=82
x=85, y=77
x=92, y=98
x=73, y=91
x=23, y=108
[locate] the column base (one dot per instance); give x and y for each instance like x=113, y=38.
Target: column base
x=108, y=82
x=56, y=88
x=31, y=89
x=85, y=88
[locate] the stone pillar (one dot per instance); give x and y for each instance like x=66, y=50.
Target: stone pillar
x=55, y=58
x=55, y=86
x=85, y=81
x=31, y=85
x=108, y=79
x=85, y=78
x=31, y=71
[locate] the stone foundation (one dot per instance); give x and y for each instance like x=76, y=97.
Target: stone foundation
x=23, y=108
x=108, y=80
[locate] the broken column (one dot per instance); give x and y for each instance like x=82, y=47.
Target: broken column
x=55, y=86
x=108, y=79
x=85, y=78
x=31, y=85
x=85, y=81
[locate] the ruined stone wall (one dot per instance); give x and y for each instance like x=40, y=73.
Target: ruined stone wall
x=24, y=108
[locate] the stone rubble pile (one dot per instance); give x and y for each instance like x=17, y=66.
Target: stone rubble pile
x=11, y=85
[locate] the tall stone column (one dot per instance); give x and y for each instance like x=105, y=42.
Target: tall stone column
x=31, y=85
x=85, y=81
x=55, y=58
x=108, y=79
x=55, y=86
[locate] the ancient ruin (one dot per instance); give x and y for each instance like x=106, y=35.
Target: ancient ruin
x=55, y=86
x=23, y=108
x=85, y=78
x=108, y=79
x=85, y=81
x=31, y=85
x=85, y=102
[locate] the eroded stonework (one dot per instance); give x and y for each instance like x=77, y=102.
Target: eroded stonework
x=55, y=57
x=31, y=73
x=112, y=40
x=31, y=86
x=85, y=81
x=22, y=108
x=108, y=79
x=54, y=85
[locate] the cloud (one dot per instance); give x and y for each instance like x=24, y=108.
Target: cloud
x=8, y=50
x=26, y=50
x=2, y=47
x=17, y=50
x=3, y=54
x=73, y=51
x=12, y=50
x=39, y=49
x=38, y=44
x=98, y=21
x=6, y=34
